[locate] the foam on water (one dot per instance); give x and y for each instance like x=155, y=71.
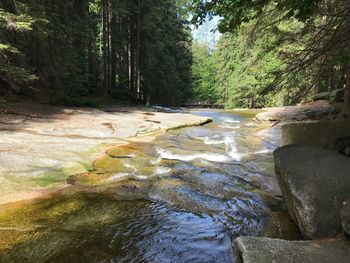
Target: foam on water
x=225, y=126
x=230, y=144
x=217, y=139
x=142, y=177
x=118, y=176
x=263, y=151
x=162, y=170
x=128, y=165
x=229, y=120
x=157, y=161
x=191, y=157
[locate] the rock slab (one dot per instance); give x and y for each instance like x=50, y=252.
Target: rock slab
x=308, y=133
x=310, y=111
x=266, y=250
x=315, y=183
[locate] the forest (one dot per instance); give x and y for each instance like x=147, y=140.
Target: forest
x=74, y=52
x=175, y=131
x=78, y=53
x=273, y=52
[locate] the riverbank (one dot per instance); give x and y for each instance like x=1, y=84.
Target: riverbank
x=42, y=146
x=203, y=185
x=219, y=177
x=312, y=169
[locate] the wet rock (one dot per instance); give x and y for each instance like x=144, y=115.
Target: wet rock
x=315, y=182
x=345, y=217
x=308, y=133
x=280, y=225
x=65, y=141
x=311, y=111
x=265, y=250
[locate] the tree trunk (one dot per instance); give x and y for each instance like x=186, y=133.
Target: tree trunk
x=108, y=47
x=346, y=106
x=331, y=81
x=104, y=46
x=114, y=28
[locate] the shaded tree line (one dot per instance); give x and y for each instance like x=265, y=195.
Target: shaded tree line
x=75, y=52
x=279, y=52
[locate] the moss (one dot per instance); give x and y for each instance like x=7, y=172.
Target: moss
x=88, y=179
x=125, y=151
x=110, y=164
x=21, y=222
x=11, y=238
x=49, y=179
x=56, y=208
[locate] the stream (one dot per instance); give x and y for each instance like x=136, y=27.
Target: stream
x=183, y=197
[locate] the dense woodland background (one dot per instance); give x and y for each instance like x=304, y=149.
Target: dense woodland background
x=73, y=52
x=274, y=52
x=82, y=52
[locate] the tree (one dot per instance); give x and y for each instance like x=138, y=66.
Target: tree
x=72, y=52
x=204, y=74
x=14, y=70
x=315, y=54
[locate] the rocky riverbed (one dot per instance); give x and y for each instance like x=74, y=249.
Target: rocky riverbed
x=179, y=196
x=41, y=146
x=92, y=185
x=313, y=171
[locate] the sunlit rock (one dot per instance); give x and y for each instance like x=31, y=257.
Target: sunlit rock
x=315, y=182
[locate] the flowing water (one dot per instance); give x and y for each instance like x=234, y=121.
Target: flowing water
x=184, y=197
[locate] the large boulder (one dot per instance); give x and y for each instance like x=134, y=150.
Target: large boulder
x=309, y=111
x=322, y=96
x=266, y=250
x=334, y=96
x=314, y=182
x=308, y=133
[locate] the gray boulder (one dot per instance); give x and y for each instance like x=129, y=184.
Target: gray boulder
x=266, y=250
x=334, y=96
x=322, y=96
x=311, y=111
x=309, y=133
x=314, y=182
x=345, y=217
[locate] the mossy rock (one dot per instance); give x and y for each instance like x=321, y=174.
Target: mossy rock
x=88, y=179
x=109, y=164
x=126, y=150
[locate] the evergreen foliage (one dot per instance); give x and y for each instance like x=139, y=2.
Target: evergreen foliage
x=70, y=51
x=279, y=52
x=82, y=52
